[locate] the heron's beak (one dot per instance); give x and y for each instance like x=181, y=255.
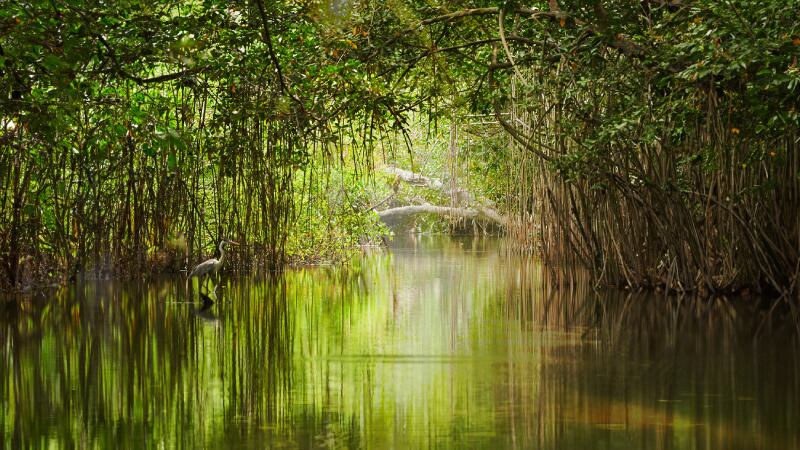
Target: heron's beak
x=233, y=242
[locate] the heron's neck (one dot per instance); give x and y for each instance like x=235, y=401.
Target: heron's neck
x=221, y=253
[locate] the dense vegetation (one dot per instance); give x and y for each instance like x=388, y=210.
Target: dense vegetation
x=653, y=142
x=137, y=133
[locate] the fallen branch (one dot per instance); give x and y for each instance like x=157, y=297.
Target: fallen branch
x=394, y=215
x=415, y=179
x=476, y=207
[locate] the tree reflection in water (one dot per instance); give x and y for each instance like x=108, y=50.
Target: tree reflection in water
x=440, y=343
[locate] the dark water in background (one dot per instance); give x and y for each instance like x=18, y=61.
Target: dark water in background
x=441, y=343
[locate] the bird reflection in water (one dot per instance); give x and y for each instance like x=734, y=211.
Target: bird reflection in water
x=205, y=312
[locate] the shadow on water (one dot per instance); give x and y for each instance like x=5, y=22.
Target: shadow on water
x=439, y=343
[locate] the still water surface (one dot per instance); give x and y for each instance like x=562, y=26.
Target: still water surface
x=438, y=343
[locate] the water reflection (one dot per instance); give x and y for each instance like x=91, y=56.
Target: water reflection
x=440, y=343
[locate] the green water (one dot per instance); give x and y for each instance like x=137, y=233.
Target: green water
x=439, y=343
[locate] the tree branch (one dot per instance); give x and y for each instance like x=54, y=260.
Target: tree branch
x=167, y=77
x=267, y=37
x=555, y=14
x=139, y=80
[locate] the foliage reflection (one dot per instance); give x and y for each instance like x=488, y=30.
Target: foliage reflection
x=439, y=343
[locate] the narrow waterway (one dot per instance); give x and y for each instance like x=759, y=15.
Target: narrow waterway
x=436, y=343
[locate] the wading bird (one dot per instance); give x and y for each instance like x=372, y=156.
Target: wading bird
x=212, y=265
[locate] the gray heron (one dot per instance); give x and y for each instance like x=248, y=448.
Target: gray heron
x=212, y=265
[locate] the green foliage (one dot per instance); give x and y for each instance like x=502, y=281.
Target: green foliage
x=335, y=219
x=634, y=122
x=128, y=124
